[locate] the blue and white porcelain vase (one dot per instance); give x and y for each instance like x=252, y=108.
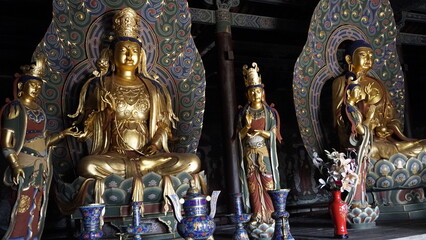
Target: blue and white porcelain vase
x=91, y=221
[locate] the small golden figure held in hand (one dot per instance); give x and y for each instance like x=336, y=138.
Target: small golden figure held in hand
x=367, y=103
x=258, y=130
x=130, y=123
x=25, y=145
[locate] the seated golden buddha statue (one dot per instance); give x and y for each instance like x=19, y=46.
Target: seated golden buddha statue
x=366, y=103
x=130, y=122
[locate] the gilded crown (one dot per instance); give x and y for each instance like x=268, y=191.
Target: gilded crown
x=251, y=75
x=126, y=23
x=36, y=69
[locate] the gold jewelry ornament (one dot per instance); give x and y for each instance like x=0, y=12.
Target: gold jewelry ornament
x=24, y=204
x=126, y=24
x=251, y=75
x=35, y=70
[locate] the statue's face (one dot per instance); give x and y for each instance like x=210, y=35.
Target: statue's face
x=255, y=95
x=32, y=88
x=127, y=55
x=362, y=59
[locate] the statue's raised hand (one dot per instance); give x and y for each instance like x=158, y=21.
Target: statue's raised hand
x=72, y=131
x=17, y=173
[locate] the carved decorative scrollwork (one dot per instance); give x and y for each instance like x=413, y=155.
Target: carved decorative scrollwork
x=226, y=4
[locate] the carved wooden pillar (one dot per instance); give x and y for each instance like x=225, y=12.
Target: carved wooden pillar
x=227, y=88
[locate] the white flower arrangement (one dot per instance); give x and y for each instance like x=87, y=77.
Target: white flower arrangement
x=340, y=169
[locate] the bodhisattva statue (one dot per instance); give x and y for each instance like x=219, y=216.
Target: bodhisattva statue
x=25, y=145
x=130, y=123
x=366, y=103
x=258, y=130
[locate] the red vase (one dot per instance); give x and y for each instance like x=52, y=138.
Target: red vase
x=339, y=212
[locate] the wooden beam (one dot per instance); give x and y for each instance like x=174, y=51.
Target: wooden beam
x=411, y=39
x=414, y=17
x=248, y=21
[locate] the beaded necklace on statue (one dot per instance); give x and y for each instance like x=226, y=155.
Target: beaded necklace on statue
x=256, y=113
x=36, y=115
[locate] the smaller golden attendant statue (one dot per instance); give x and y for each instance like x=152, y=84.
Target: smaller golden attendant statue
x=258, y=130
x=25, y=145
x=129, y=115
x=368, y=107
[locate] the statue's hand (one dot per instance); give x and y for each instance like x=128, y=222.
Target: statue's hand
x=71, y=131
x=371, y=92
x=79, y=135
x=383, y=132
x=17, y=173
x=253, y=134
x=150, y=150
x=262, y=133
x=368, y=88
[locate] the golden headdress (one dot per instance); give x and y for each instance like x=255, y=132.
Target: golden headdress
x=126, y=25
x=35, y=70
x=251, y=75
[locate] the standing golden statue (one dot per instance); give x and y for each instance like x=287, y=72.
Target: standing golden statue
x=258, y=131
x=130, y=123
x=25, y=144
x=368, y=106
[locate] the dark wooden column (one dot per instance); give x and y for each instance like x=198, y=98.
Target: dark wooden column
x=227, y=88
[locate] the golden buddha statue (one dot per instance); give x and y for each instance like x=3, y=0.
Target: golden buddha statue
x=131, y=122
x=368, y=107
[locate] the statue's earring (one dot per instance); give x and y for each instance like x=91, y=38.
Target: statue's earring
x=20, y=85
x=349, y=62
x=139, y=70
x=113, y=67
